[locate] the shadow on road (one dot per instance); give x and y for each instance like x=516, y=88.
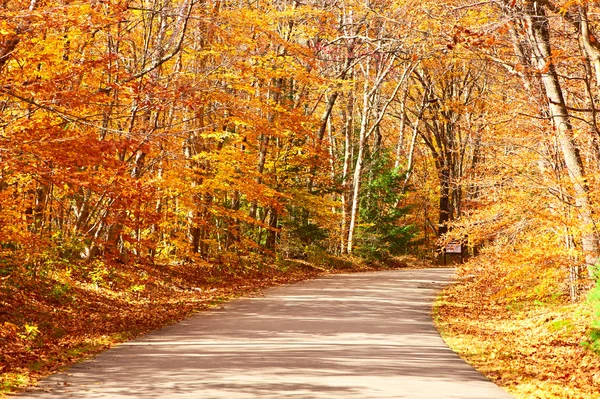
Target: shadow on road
x=351, y=336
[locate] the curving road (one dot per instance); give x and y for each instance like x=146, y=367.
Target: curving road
x=346, y=336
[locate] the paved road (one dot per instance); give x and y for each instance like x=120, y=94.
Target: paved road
x=347, y=336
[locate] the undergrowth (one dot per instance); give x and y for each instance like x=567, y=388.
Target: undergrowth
x=593, y=340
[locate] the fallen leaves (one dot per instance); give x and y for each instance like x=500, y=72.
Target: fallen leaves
x=533, y=351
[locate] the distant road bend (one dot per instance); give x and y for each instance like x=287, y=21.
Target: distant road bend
x=346, y=336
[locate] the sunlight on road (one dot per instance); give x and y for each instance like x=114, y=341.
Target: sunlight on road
x=359, y=336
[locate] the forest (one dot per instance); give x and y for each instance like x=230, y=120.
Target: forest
x=151, y=147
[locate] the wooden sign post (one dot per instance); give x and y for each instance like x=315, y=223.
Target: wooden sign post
x=453, y=247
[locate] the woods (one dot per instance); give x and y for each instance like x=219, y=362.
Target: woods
x=214, y=134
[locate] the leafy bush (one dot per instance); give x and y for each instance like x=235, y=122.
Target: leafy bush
x=382, y=233
x=593, y=342
x=299, y=237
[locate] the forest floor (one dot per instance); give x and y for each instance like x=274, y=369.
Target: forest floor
x=534, y=350
x=54, y=318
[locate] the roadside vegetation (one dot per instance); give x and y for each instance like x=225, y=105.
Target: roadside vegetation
x=540, y=348
x=157, y=156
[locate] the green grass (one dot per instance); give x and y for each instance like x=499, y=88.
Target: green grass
x=10, y=382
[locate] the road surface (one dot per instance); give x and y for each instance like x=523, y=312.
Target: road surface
x=346, y=336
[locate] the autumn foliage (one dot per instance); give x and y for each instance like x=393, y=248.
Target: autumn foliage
x=210, y=134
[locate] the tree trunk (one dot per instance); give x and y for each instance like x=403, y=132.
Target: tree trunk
x=260, y=167
x=356, y=186
x=362, y=141
x=272, y=233
x=539, y=37
x=445, y=204
x=590, y=43
x=348, y=154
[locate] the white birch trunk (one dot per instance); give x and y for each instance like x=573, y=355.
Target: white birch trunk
x=538, y=34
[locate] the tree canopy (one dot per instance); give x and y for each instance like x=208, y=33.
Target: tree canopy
x=208, y=132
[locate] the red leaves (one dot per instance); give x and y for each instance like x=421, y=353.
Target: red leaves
x=467, y=37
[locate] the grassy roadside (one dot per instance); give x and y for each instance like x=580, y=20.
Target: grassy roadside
x=52, y=321
x=533, y=350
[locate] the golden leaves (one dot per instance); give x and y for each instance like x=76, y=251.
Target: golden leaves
x=532, y=351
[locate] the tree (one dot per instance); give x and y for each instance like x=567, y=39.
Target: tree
x=449, y=114
x=532, y=29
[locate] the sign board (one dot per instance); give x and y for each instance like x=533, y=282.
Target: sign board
x=454, y=247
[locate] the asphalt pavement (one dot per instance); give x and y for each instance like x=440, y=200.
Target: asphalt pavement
x=367, y=335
